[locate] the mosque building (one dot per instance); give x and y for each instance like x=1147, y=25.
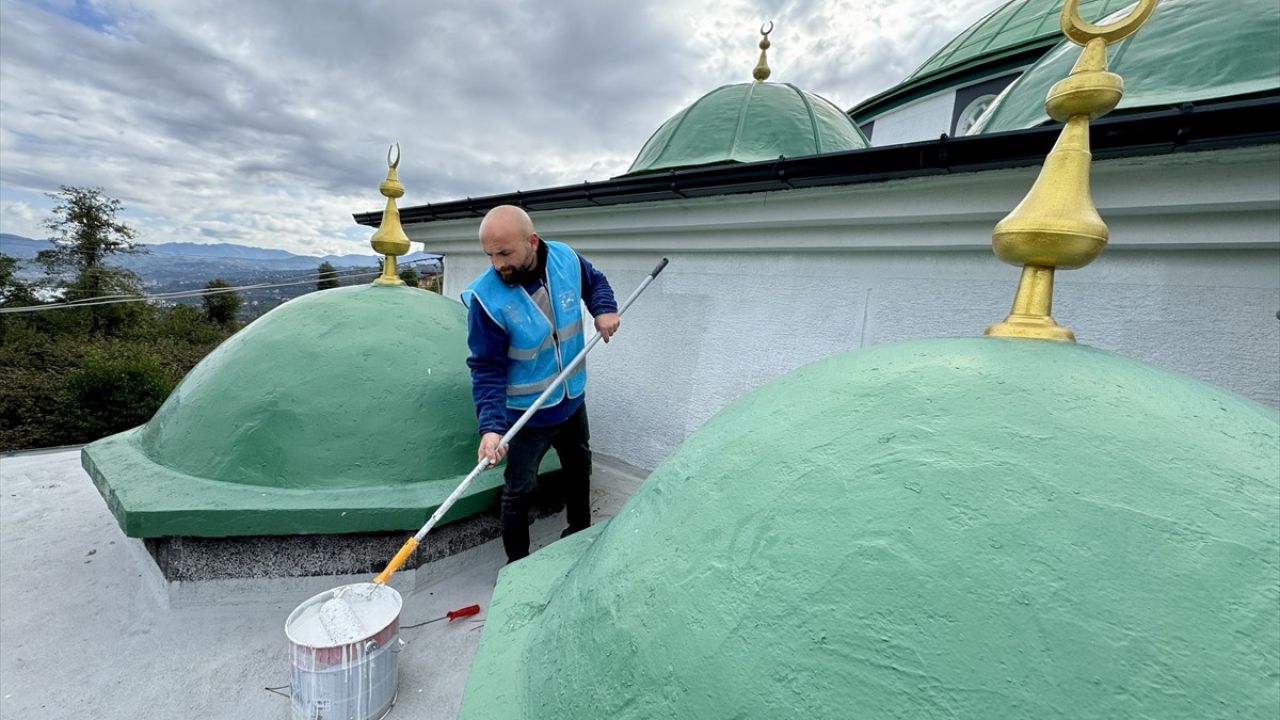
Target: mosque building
x=871, y=496
x=778, y=260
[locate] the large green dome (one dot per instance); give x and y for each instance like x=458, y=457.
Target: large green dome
x=748, y=122
x=1188, y=51
x=1008, y=31
x=972, y=528
x=344, y=410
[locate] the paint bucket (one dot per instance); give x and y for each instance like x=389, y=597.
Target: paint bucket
x=354, y=676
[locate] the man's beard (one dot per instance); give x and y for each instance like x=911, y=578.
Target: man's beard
x=520, y=276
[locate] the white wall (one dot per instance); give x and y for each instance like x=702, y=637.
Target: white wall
x=923, y=119
x=763, y=283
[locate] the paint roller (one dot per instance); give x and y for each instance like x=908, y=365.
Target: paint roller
x=340, y=621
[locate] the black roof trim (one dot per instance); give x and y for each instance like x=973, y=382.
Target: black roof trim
x=1185, y=128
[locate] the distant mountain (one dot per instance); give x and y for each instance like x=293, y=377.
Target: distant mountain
x=25, y=248
x=220, y=250
x=172, y=267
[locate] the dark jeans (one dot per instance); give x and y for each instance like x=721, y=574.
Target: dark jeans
x=571, y=439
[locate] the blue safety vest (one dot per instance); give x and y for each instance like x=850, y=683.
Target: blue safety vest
x=537, y=353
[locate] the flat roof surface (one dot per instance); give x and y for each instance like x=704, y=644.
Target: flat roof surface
x=89, y=629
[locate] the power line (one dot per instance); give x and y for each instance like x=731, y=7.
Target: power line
x=117, y=299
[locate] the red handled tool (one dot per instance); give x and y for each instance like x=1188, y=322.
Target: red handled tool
x=452, y=615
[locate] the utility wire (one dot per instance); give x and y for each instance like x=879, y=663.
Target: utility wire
x=117, y=299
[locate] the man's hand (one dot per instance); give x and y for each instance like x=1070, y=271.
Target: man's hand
x=490, y=449
x=607, y=325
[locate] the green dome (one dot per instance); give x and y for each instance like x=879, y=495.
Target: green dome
x=1008, y=30
x=1188, y=51
x=340, y=388
x=341, y=411
x=966, y=528
x=748, y=122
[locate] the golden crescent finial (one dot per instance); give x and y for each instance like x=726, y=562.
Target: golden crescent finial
x=1057, y=226
x=761, y=71
x=390, y=239
x=1081, y=32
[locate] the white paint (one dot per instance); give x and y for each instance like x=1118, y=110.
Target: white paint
x=343, y=615
x=924, y=119
x=760, y=284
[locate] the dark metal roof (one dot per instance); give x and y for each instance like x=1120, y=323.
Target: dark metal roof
x=1185, y=128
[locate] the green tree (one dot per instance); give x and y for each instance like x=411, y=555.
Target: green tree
x=13, y=292
x=184, y=325
x=85, y=234
x=328, y=277
x=115, y=388
x=221, y=308
x=409, y=276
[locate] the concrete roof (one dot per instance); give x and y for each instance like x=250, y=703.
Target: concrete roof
x=90, y=629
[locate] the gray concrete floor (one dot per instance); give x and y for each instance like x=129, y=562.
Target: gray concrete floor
x=89, y=629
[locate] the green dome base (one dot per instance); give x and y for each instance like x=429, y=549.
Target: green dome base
x=150, y=500
x=966, y=528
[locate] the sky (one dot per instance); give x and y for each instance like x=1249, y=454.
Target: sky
x=267, y=123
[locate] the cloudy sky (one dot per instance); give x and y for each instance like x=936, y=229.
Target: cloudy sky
x=267, y=123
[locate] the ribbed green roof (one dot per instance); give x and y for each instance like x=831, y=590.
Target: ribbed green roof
x=1017, y=23
x=748, y=122
x=1188, y=51
x=970, y=528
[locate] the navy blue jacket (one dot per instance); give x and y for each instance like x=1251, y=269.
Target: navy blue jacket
x=488, y=360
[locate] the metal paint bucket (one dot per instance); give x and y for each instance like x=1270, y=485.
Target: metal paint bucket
x=356, y=679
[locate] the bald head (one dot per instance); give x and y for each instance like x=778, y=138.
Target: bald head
x=506, y=220
x=508, y=238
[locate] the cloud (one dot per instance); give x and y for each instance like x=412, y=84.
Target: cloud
x=20, y=218
x=267, y=123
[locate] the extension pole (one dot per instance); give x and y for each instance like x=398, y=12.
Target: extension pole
x=412, y=543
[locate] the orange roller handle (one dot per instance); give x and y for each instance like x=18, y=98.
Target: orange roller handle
x=398, y=561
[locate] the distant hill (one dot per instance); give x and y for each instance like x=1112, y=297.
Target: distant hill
x=172, y=267
x=25, y=248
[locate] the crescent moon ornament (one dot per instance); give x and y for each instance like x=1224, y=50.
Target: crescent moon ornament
x=1081, y=32
x=393, y=163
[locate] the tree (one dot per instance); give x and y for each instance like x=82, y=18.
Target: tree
x=13, y=292
x=85, y=233
x=328, y=277
x=115, y=389
x=409, y=276
x=221, y=308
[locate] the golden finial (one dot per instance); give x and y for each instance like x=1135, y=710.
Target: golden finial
x=390, y=239
x=761, y=73
x=1057, y=225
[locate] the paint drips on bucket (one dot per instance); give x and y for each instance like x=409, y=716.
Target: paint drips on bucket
x=343, y=653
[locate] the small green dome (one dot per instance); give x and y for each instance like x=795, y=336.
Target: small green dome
x=748, y=122
x=971, y=528
x=1188, y=51
x=342, y=388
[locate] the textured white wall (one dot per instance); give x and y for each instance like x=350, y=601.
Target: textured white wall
x=923, y=119
x=761, y=284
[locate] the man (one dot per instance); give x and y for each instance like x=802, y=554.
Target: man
x=524, y=317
